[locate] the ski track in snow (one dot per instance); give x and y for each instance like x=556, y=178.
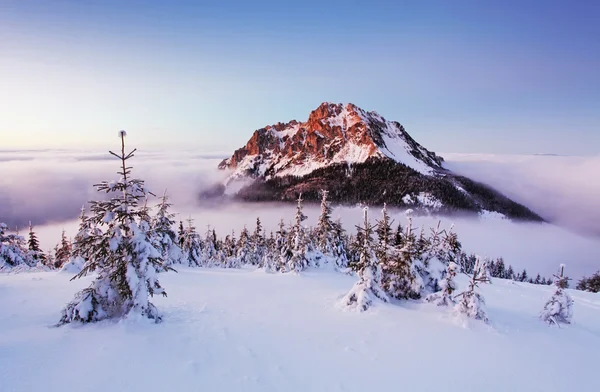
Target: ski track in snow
x=245, y=330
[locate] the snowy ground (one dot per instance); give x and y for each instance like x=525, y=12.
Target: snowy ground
x=244, y=330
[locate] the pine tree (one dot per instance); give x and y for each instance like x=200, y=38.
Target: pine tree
x=384, y=246
x=244, y=247
x=339, y=242
x=299, y=261
x=165, y=238
x=63, y=251
x=444, y=297
x=34, y=247
x=191, y=245
x=324, y=231
x=591, y=284
x=499, y=269
x=258, y=244
x=209, y=250
x=368, y=286
x=523, y=276
x=472, y=303
x=283, y=248
x=12, y=250
x=510, y=273
x=180, y=235
x=402, y=279
x=559, y=308
x=122, y=254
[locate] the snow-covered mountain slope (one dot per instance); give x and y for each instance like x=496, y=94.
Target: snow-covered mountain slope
x=240, y=330
x=333, y=133
x=359, y=157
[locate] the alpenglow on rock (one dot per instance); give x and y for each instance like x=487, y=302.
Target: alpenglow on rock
x=359, y=157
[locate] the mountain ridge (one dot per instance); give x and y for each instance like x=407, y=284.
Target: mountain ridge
x=359, y=157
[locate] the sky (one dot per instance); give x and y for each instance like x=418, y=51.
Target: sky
x=507, y=77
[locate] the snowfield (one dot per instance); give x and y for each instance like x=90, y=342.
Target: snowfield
x=246, y=330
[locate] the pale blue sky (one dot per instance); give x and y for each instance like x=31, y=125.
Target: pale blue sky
x=462, y=76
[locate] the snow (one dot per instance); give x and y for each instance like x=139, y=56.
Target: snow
x=397, y=149
x=423, y=199
x=225, y=330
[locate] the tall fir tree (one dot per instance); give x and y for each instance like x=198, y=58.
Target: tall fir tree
x=165, y=238
x=244, y=247
x=63, y=251
x=122, y=253
x=258, y=244
x=340, y=245
x=33, y=245
x=559, y=308
x=401, y=278
x=299, y=261
x=325, y=230
x=191, y=245
x=283, y=248
x=368, y=287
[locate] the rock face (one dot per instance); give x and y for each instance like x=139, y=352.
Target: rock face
x=334, y=133
x=360, y=158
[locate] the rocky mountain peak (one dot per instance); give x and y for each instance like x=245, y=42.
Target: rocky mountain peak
x=333, y=133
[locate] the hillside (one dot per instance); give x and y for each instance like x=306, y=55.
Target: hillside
x=240, y=330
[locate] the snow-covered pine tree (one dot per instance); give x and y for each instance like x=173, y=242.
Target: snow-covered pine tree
x=472, y=303
x=258, y=243
x=444, y=297
x=36, y=253
x=180, y=235
x=559, y=308
x=77, y=257
x=368, y=287
x=230, y=250
x=283, y=248
x=63, y=251
x=324, y=231
x=299, y=261
x=523, y=276
x=402, y=279
x=244, y=247
x=122, y=254
x=209, y=250
x=12, y=251
x=191, y=245
x=340, y=245
x=510, y=273
x=166, y=240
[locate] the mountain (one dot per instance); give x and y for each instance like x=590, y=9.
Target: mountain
x=360, y=157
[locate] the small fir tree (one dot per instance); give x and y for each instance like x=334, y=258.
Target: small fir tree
x=472, y=303
x=34, y=247
x=299, y=261
x=63, y=252
x=445, y=297
x=12, y=249
x=559, y=308
x=192, y=245
x=165, y=238
x=368, y=287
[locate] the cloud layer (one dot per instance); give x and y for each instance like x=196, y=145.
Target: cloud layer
x=49, y=188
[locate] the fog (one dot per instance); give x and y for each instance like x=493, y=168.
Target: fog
x=49, y=187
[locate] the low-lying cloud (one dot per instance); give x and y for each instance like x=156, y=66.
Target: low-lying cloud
x=50, y=188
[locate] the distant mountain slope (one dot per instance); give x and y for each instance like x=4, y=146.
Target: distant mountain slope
x=360, y=158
